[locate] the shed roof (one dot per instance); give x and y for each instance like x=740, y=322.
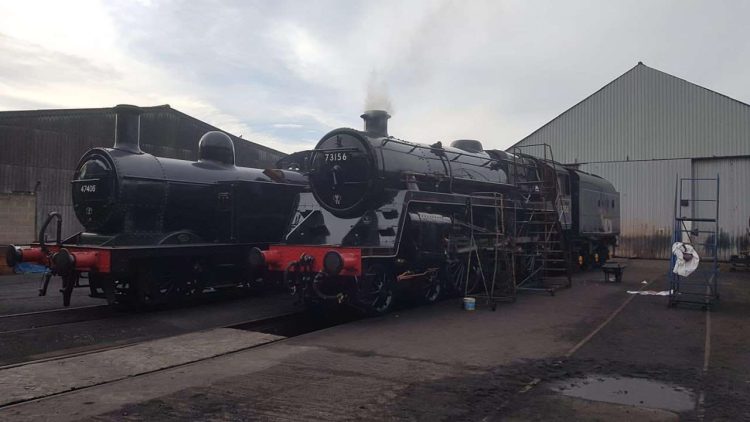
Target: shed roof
x=165, y=108
x=647, y=114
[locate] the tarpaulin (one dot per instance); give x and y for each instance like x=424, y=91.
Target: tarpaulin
x=687, y=259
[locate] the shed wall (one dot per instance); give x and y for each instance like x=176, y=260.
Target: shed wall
x=734, y=200
x=647, y=190
x=16, y=217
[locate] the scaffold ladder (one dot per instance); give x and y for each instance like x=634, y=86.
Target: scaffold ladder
x=543, y=253
x=696, y=222
x=489, y=249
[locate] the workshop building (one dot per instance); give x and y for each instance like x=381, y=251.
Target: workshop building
x=644, y=130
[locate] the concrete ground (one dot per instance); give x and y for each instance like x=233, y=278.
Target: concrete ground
x=429, y=363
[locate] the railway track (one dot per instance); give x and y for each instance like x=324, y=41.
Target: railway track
x=20, y=322
x=268, y=323
x=28, y=321
x=48, y=334
x=48, y=311
x=269, y=329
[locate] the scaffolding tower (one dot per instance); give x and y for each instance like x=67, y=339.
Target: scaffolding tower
x=489, y=259
x=696, y=222
x=542, y=254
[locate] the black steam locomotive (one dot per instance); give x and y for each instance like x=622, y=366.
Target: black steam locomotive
x=385, y=214
x=158, y=228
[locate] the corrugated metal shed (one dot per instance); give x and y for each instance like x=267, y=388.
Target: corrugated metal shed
x=647, y=114
x=646, y=203
x=734, y=201
x=642, y=131
x=41, y=149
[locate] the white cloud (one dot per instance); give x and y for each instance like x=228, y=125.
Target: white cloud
x=284, y=73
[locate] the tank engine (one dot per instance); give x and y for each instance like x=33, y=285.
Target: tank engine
x=160, y=228
x=385, y=214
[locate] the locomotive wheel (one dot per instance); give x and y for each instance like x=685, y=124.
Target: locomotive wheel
x=100, y=286
x=431, y=288
x=94, y=290
x=456, y=277
x=376, y=289
x=159, y=282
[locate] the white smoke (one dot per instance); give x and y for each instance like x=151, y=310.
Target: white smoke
x=377, y=94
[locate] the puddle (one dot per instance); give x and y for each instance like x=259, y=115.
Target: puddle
x=629, y=391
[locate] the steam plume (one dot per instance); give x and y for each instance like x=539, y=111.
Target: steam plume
x=377, y=94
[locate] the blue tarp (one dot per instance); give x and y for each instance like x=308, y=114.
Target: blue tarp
x=28, y=268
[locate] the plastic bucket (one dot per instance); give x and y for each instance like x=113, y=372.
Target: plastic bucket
x=470, y=303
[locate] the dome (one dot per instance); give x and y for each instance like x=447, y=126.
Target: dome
x=468, y=145
x=216, y=146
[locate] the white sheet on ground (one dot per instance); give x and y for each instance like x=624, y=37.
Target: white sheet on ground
x=649, y=292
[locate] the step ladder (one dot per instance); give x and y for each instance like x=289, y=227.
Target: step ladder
x=696, y=222
x=543, y=254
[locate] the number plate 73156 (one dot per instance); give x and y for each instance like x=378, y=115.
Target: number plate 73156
x=336, y=156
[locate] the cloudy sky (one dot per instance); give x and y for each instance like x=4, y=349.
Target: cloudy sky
x=284, y=73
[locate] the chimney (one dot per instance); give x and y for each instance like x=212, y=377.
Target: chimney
x=376, y=122
x=128, y=128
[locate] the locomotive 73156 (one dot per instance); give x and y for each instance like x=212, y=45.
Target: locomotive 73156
x=159, y=228
x=385, y=213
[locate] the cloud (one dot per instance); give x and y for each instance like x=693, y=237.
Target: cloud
x=287, y=125
x=284, y=73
